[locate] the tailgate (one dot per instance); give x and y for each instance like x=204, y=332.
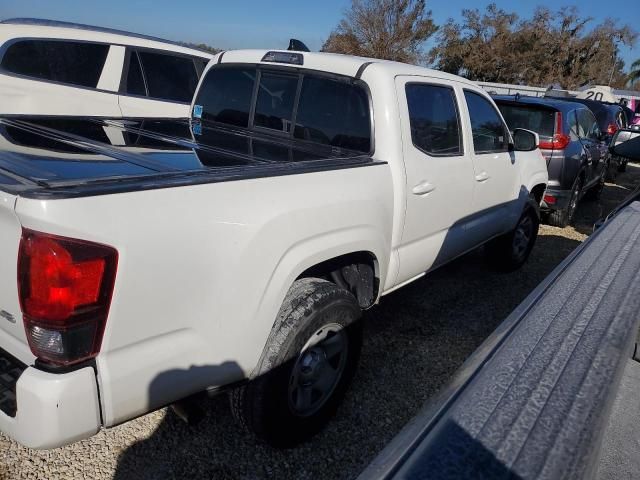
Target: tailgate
x=12, y=334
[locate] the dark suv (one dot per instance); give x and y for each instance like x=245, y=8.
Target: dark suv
x=611, y=117
x=572, y=143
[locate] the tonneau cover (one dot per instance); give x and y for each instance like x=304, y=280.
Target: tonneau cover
x=70, y=156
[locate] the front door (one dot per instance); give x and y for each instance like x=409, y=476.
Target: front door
x=498, y=194
x=439, y=174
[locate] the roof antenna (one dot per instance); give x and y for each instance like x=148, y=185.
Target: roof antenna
x=297, y=46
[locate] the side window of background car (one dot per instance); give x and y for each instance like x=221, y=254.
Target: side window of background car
x=588, y=125
x=434, y=121
x=489, y=132
x=74, y=63
x=169, y=77
x=134, y=84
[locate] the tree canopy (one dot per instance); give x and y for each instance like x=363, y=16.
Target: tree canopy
x=549, y=48
x=387, y=29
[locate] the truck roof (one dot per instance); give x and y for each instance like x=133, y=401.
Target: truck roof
x=349, y=65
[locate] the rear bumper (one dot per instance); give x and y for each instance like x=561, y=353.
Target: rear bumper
x=47, y=410
x=562, y=198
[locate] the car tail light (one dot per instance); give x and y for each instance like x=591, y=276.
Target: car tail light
x=560, y=140
x=612, y=129
x=549, y=199
x=65, y=288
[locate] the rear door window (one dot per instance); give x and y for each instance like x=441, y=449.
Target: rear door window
x=489, y=132
x=169, y=77
x=334, y=112
x=74, y=63
x=433, y=116
x=226, y=95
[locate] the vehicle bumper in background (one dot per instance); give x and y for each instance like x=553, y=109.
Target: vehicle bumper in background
x=46, y=410
x=561, y=198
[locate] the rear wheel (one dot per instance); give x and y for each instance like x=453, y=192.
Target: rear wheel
x=307, y=366
x=509, y=252
x=562, y=218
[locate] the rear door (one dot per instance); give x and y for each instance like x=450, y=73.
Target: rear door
x=497, y=187
x=439, y=174
x=158, y=84
x=41, y=76
x=590, y=135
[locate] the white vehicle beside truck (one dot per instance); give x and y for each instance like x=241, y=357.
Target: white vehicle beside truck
x=60, y=68
x=240, y=257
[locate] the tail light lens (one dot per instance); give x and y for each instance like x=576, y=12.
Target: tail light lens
x=65, y=288
x=560, y=140
x=549, y=199
x=612, y=129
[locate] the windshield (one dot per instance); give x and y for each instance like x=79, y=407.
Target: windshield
x=539, y=120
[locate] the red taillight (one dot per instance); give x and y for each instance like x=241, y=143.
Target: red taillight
x=560, y=140
x=65, y=290
x=612, y=129
x=549, y=199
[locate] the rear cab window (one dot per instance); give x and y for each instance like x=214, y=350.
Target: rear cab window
x=489, y=132
x=70, y=62
x=323, y=109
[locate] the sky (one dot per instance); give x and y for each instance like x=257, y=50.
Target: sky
x=262, y=24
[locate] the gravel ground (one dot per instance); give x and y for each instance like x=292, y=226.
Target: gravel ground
x=414, y=341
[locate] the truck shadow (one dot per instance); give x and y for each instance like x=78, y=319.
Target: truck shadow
x=414, y=341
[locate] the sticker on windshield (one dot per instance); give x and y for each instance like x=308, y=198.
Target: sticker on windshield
x=197, y=111
x=197, y=128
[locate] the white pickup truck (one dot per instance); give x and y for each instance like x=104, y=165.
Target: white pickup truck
x=144, y=261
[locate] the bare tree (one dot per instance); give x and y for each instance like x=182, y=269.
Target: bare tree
x=387, y=29
x=549, y=48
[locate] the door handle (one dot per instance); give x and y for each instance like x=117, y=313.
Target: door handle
x=482, y=177
x=423, y=188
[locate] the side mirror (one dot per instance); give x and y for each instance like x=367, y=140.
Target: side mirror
x=626, y=143
x=525, y=140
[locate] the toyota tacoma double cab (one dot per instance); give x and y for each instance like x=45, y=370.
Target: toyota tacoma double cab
x=143, y=261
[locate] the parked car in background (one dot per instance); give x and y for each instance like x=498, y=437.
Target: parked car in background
x=59, y=68
x=241, y=257
x=571, y=142
x=611, y=117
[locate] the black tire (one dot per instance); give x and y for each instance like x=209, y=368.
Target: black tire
x=622, y=166
x=511, y=250
x=267, y=404
x=562, y=218
x=595, y=192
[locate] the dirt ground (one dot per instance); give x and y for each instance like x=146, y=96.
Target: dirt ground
x=414, y=341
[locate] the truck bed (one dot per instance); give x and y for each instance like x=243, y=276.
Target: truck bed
x=57, y=157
